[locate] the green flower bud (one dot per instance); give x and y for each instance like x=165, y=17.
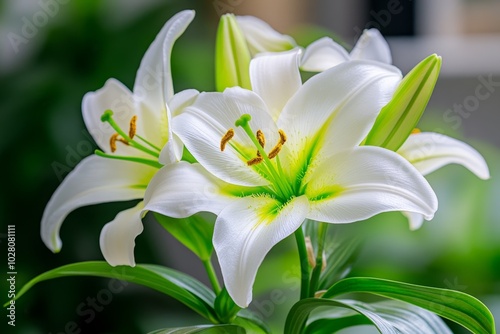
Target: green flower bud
x=232, y=56
x=400, y=116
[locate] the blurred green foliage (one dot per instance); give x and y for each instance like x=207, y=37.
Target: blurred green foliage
x=43, y=137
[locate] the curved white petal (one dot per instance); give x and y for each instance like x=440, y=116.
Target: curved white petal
x=153, y=82
x=182, y=100
x=415, y=220
x=335, y=109
x=202, y=126
x=322, y=55
x=117, y=238
x=261, y=37
x=172, y=151
x=116, y=97
x=245, y=232
x=429, y=151
x=95, y=180
x=180, y=190
x=372, y=46
x=362, y=182
x=275, y=78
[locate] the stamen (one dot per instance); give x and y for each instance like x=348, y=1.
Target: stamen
x=282, y=136
x=121, y=140
x=226, y=138
x=416, y=130
x=261, y=138
x=112, y=142
x=107, y=116
x=276, y=149
x=257, y=160
x=133, y=127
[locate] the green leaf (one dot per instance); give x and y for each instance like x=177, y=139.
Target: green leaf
x=400, y=116
x=205, y=329
x=225, y=307
x=389, y=316
x=251, y=322
x=175, y=284
x=194, y=232
x=453, y=305
x=232, y=56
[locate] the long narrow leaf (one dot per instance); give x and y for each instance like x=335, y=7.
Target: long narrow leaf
x=393, y=314
x=180, y=286
x=389, y=317
x=453, y=305
x=202, y=329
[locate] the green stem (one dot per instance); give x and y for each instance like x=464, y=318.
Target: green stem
x=304, y=263
x=212, y=276
x=319, y=259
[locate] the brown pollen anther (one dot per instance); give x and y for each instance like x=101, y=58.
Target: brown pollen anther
x=112, y=142
x=254, y=161
x=276, y=149
x=133, y=127
x=226, y=138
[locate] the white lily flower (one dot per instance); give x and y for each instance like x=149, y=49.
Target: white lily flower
x=325, y=53
x=426, y=151
x=429, y=151
x=129, y=159
x=272, y=157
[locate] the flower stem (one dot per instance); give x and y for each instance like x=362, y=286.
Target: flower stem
x=212, y=276
x=304, y=263
x=319, y=259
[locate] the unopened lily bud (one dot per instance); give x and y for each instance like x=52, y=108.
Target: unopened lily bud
x=400, y=116
x=319, y=294
x=310, y=252
x=232, y=56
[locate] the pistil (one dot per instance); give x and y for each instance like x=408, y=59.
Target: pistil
x=284, y=189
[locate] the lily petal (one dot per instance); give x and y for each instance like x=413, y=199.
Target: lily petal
x=117, y=238
x=183, y=189
x=359, y=183
x=245, y=232
x=115, y=96
x=202, y=126
x=335, y=109
x=172, y=151
x=261, y=37
x=95, y=180
x=372, y=46
x=275, y=78
x=322, y=55
x=153, y=83
x=182, y=100
x=415, y=220
x=429, y=151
